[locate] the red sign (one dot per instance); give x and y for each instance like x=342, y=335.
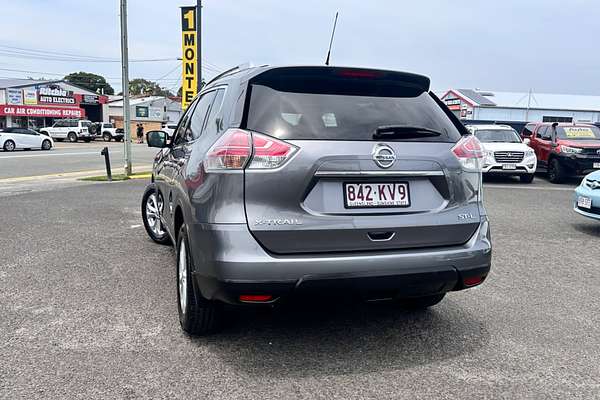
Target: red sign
x=40, y=112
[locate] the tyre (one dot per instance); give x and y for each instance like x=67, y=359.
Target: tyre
x=9, y=145
x=152, y=207
x=556, y=172
x=106, y=136
x=118, y=139
x=419, y=303
x=197, y=315
x=527, y=178
x=46, y=145
x=72, y=137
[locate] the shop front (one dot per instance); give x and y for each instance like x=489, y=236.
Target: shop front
x=42, y=103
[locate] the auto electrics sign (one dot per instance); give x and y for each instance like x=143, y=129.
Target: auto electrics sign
x=55, y=95
x=190, y=56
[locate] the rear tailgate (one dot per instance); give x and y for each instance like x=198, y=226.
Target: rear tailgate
x=306, y=206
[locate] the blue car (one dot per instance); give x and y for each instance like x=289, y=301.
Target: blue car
x=587, y=196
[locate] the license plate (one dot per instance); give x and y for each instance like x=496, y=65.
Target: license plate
x=371, y=195
x=509, y=166
x=596, y=165
x=584, y=202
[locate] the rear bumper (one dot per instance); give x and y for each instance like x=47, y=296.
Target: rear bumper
x=229, y=263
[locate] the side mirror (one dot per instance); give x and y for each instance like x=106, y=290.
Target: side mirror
x=156, y=139
x=527, y=141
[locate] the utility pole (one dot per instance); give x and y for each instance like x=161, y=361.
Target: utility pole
x=125, y=83
x=528, y=105
x=199, y=51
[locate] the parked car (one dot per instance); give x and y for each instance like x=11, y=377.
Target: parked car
x=22, y=138
x=505, y=152
x=566, y=149
x=70, y=129
x=587, y=196
x=169, y=129
x=107, y=131
x=287, y=182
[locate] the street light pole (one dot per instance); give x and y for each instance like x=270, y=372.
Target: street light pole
x=125, y=83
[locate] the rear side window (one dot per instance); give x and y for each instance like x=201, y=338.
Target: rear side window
x=199, y=115
x=213, y=121
x=540, y=132
x=345, y=116
x=527, y=130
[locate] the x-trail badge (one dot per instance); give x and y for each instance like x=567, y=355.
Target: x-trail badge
x=383, y=155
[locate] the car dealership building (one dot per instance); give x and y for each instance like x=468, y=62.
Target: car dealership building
x=521, y=107
x=35, y=104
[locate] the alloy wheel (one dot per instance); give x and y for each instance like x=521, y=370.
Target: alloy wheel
x=153, y=209
x=182, y=276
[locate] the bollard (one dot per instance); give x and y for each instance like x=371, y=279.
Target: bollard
x=104, y=152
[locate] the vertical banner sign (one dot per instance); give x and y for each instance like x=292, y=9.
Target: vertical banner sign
x=190, y=56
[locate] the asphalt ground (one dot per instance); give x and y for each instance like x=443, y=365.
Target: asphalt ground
x=71, y=157
x=88, y=310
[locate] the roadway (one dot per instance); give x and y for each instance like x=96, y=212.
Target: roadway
x=88, y=310
x=69, y=158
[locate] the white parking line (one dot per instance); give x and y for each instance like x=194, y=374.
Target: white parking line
x=79, y=153
x=559, y=189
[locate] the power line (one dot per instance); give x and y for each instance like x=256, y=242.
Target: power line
x=52, y=52
x=22, y=52
x=59, y=58
x=114, y=79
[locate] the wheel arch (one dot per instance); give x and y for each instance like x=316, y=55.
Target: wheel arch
x=178, y=220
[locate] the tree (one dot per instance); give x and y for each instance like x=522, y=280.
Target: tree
x=141, y=86
x=89, y=81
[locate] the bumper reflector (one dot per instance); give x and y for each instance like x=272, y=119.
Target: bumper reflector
x=473, y=280
x=256, y=297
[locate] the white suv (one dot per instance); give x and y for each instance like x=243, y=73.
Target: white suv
x=70, y=129
x=505, y=153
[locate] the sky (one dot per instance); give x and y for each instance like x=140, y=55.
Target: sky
x=548, y=46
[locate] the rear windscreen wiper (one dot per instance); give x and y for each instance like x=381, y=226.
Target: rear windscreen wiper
x=404, y=131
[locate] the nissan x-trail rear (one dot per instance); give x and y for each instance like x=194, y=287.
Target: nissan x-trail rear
x=317, y=182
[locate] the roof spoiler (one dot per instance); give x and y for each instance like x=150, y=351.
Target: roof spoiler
x=295, y=78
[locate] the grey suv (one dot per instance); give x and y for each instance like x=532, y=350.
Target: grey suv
x=285, y=182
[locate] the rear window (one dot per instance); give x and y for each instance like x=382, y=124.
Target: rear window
x=330, y=116
x=497, y=136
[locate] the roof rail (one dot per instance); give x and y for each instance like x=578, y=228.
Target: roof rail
x=230, y=71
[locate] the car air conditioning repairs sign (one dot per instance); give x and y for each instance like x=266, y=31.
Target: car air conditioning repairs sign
x=55, y=95
x=190, y=56
x=49, y=112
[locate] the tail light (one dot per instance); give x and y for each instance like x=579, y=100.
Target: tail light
x=238, y=148
x=269, y=152
x=469, y=152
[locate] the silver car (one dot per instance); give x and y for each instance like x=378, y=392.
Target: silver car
x=326, y=182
